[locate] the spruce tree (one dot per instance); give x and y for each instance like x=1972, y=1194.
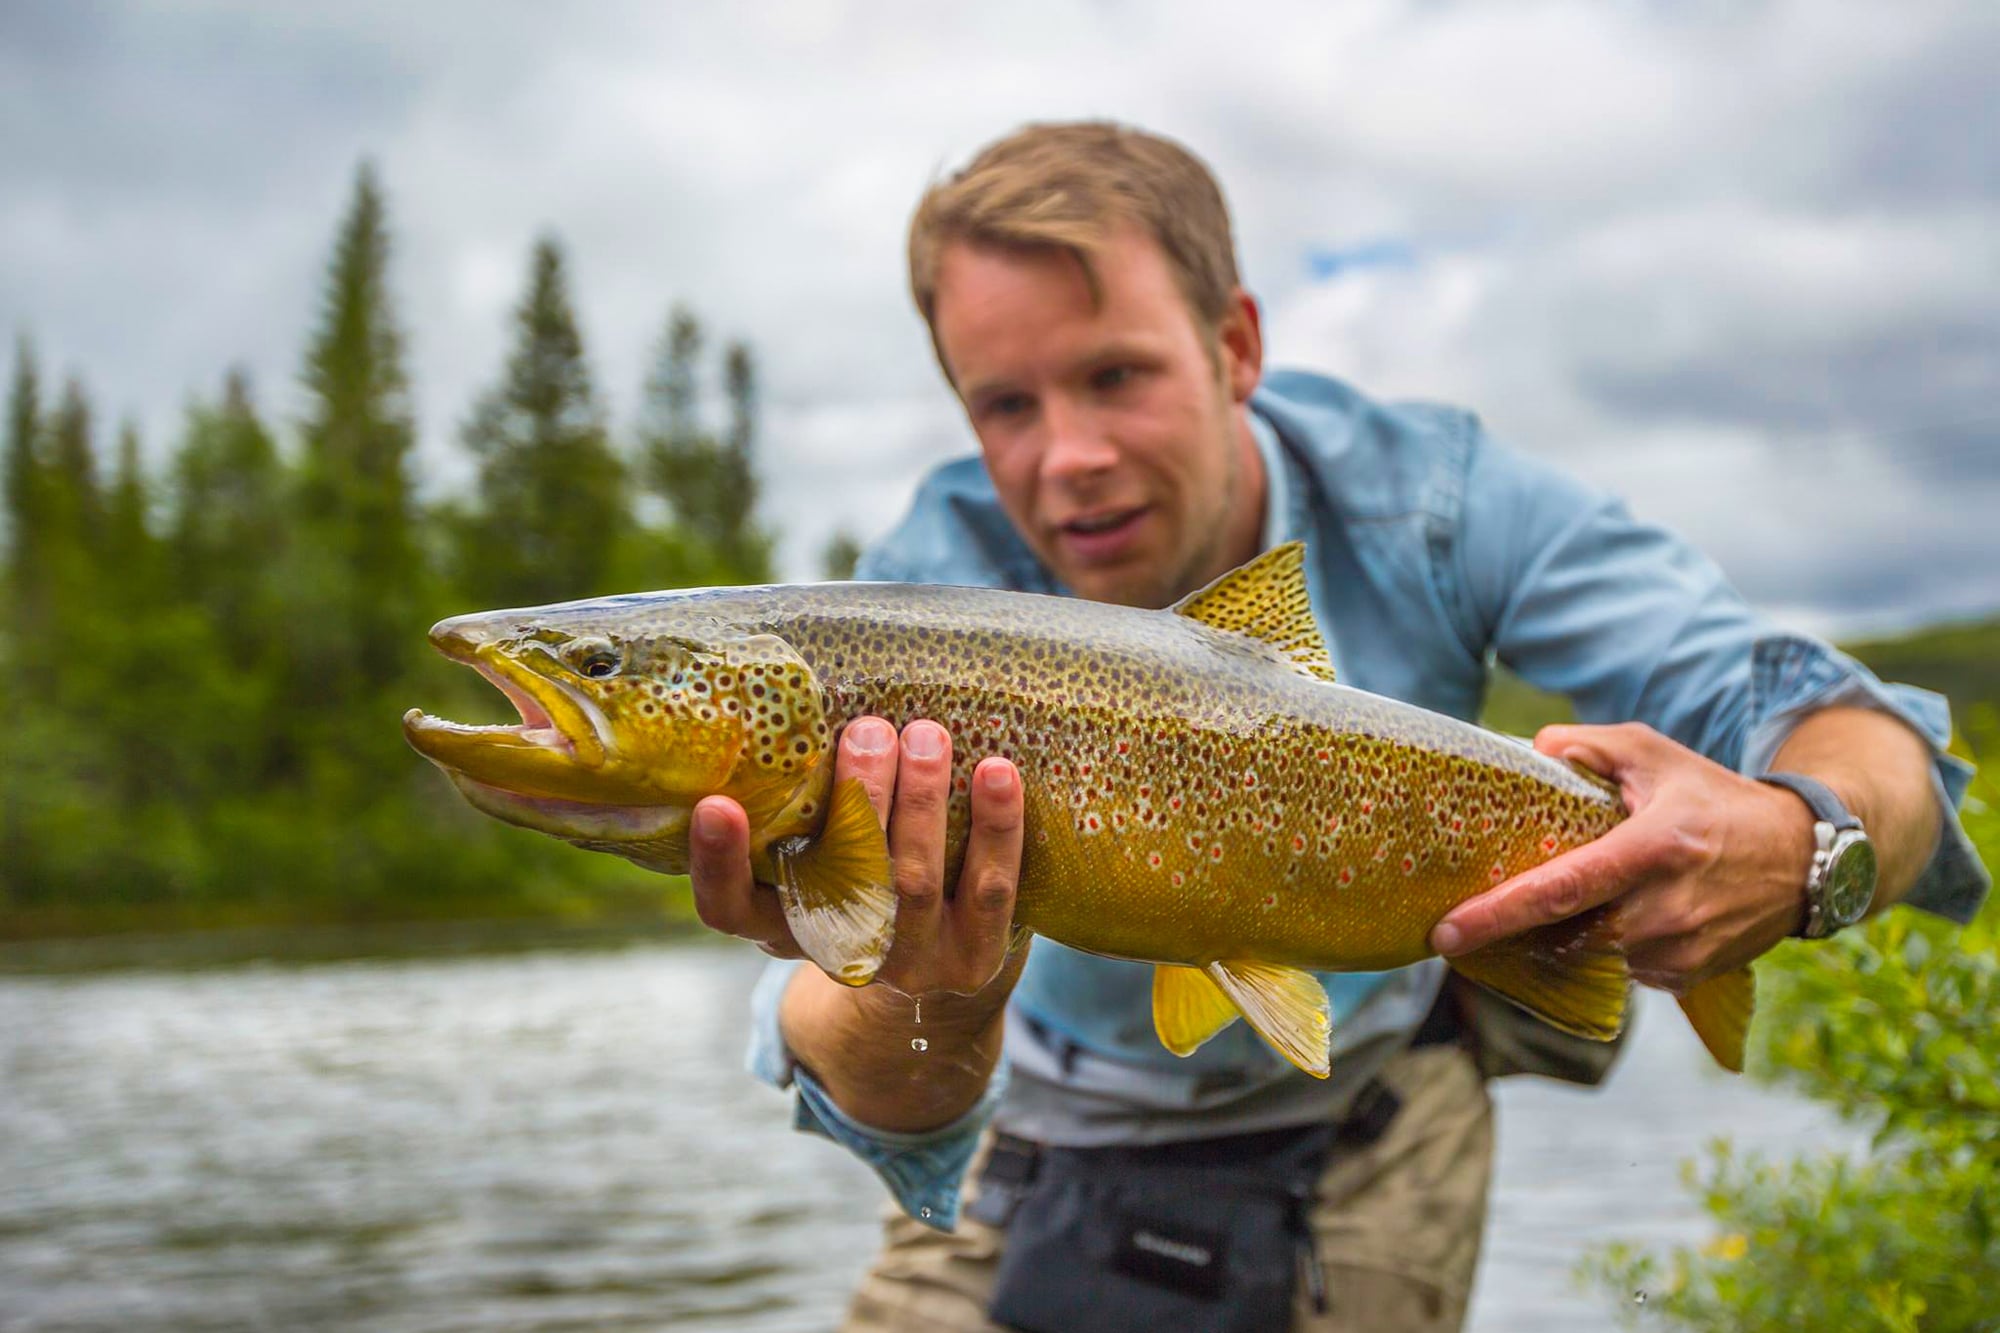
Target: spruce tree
x=552, y=511
x=26, y=498
x=366, y=566
x=709, y=484
x=227, y=529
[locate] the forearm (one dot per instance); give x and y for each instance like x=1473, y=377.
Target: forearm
x=1882, y=771
x=861, y=1045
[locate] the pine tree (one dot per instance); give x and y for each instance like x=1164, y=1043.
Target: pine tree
x=552, y=509
x=27, y=501
x=227, y=530
x=709, y=484
x=358, y=434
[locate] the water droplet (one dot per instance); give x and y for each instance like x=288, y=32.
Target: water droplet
x=920, y=1009
x=919, y=1045
x=1638, y=1298
x=924, y=1213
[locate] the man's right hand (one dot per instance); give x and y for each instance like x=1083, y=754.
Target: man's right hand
x=949, y=948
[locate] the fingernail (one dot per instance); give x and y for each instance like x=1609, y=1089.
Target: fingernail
x=870, y=736
x=924, y=741
x=709, y=825
x=1447, y=939
x=995, y=779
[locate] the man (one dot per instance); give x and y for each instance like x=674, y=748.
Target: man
x=1080, y=286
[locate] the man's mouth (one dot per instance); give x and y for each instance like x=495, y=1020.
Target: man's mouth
x=1102, y=535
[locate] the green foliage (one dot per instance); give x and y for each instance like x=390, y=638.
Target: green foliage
x=202, y=671
x=709, y=482
x=840, y=555
x=1893, y=1026
x=552, y=504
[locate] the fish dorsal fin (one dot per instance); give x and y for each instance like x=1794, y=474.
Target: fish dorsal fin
x=1188, y=1008
x=1267, y=600
x=1287, y=1007
x=836, y=889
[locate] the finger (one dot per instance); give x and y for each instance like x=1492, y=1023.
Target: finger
x=726, y=896
x=868, y=752
x=1585, y=877
x=1631, y=754
x=916, y=843
x=980, y=918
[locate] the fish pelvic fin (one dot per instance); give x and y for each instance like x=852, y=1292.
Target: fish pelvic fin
x=1571, y=975
x=1286, y=1006
x=1267, y=599
x=837, y=891
x=1720, y=1010
x=1188, y=1008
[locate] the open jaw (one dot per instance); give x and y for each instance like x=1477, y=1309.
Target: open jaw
x=557, y=751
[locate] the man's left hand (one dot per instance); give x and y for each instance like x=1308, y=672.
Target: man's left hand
x=1707, y=873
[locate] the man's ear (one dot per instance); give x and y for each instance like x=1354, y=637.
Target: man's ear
x=1239, y=338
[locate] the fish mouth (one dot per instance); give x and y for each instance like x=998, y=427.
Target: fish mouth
x=558, y=749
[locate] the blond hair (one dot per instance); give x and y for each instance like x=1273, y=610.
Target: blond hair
x=1068, y=187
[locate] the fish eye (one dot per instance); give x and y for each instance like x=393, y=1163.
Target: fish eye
x=599, y=665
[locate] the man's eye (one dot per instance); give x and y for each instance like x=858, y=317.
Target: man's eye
x=1007, y=405
x=1112, y=377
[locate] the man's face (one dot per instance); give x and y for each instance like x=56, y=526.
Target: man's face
x=1113, y=430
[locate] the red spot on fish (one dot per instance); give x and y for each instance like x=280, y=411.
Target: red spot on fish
x=1215, y=852
x=1496, y=874
x=1124, y=747
x=1368, y=807
x=1408, y=865
x=1090, y=822
x=1174, y=802
x=1298, y=842
x=1324, y=756
x=1549, y=844
x=1179, y=879
x=1347, y=874
x=1153, y=860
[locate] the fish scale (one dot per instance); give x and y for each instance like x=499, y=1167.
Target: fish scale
x=1199, y=793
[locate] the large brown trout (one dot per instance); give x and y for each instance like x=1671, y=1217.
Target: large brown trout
x=1200, y=794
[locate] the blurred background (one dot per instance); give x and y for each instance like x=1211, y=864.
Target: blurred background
x=329, y=320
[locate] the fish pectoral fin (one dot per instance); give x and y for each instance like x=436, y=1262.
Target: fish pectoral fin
x=1188, y=1008
x=1287, y=1007
x=1571, y=975
x=1267, y=599
x=1720, y=1010
x=837, y=890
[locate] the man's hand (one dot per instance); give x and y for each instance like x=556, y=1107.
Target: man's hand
x=1708, y=873
x=950, y=943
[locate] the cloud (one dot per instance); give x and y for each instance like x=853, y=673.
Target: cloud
x=1737, y=261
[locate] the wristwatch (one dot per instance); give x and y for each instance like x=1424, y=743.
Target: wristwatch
x=1841, y=881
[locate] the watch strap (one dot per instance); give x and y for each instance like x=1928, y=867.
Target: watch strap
x=1825, y=805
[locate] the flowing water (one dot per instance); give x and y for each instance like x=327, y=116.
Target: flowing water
x=567, y=1140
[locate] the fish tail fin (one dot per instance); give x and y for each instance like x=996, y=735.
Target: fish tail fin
x=1571, y=975
x=838, y=894
x=1720, y=1009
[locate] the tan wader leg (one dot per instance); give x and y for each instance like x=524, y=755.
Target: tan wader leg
x=1398, y=1225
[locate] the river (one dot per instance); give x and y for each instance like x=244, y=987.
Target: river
x=558, y=1140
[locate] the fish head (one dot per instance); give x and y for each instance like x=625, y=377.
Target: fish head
x=629, y=715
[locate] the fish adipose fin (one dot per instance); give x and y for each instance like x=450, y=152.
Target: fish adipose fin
x=1188, y=1008
x=1286, y=1006
x=837, y=892
x=1267, y=600
x=1720, y=1009
x=1571, y=975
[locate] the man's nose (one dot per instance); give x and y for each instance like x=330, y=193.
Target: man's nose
x=1076, y=447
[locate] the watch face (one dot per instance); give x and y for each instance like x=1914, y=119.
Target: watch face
x=1850, y=879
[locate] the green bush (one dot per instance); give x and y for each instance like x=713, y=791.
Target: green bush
x=1897, y=1027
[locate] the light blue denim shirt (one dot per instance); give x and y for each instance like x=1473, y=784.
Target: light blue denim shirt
x=1432, y=551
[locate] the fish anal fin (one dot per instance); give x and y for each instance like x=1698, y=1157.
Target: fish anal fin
x=1287, y=1007
x=1571, y=975
x=1720, y=1010
x=1266, y=599
x=1188, y=1008
x=837, y=891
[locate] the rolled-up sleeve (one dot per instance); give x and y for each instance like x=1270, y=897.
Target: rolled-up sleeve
x=1632, y=623
x=924, y=1172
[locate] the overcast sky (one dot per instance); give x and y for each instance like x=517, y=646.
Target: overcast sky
x=1739, y=262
